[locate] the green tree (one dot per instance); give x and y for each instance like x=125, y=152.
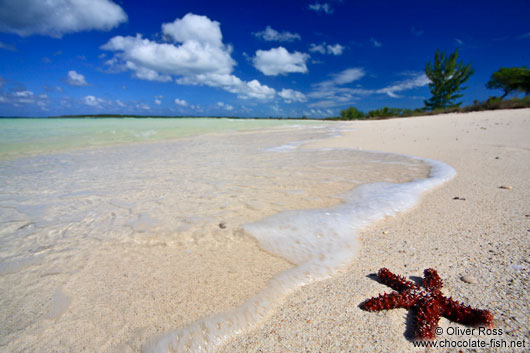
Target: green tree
x=351, y=113
x=447, y=76
x=510, y=79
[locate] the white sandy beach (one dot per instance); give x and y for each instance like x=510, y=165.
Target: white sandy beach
x=485, y=237
x=121, y=247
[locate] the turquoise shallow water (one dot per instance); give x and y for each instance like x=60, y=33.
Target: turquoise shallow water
x=20, y=137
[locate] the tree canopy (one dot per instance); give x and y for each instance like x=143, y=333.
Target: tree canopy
x=447, y=76
x=510, y=79
x=352, y=113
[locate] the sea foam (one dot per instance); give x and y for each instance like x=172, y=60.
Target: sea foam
x=318, y=241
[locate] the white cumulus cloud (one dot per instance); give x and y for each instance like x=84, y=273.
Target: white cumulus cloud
x=25, y=94
x=231, y=83
x=194, y=28
x=181, y=102
x=225, y=106
x=58, y=17
x=278, y=61
x=24, y=97
x=336, y=49
x=143, y=106
x=254, y=89
x=75, y=79
x=325, y=7
x=290, y=95
x=197, y=56
x=93, y=101
x=375, y=43
x=317, y=48
x=272, y=35
x=324, y=48
x=158, y=61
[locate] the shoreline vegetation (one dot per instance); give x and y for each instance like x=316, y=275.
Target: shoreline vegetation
x=493, y=103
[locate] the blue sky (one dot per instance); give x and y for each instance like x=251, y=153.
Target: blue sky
x=244, y=58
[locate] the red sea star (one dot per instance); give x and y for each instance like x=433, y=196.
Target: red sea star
x=429, y=304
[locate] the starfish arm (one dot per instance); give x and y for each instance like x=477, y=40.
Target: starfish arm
x=432, y=281
x=389, y=301
x=466, y=315
x=429, y=304
x=396, y=282
x=428, y=315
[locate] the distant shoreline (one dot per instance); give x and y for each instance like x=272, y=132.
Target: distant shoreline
x=122, y=116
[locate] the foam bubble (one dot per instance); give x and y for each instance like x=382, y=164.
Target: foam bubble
x=318, y=241
x=288, y=147
x=144, y=134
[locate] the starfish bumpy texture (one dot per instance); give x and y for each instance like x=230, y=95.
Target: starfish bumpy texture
x=429, y=303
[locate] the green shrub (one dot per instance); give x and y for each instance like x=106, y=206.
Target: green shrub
x=352, y=113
